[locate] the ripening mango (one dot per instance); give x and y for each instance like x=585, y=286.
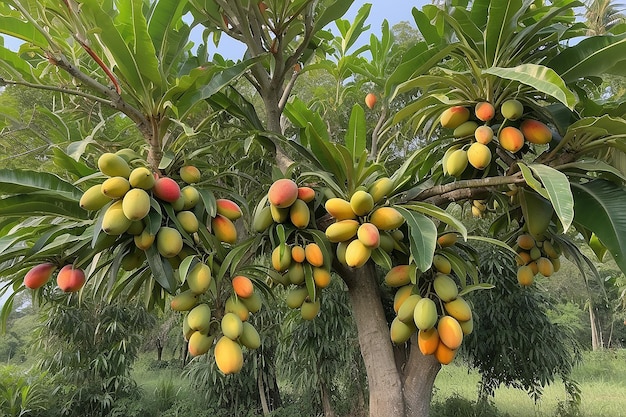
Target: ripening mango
x=135, y=228
x=386, y=218
x=188, y=221
x=166, y=189
x=243, y=286
x=400, y=332
x=199, y=278
x=459, y=309
x=187, y=331
x=545, y=267
x=444, y=354
x=190, y=174
x=223, y=229
x=447, y=239
x=427, y=341
x=450, y=332
x=309, y=310
x=250, y=337
x=70, y=279
x=113, y=165
x=401, y=295
x=199, y=318
x=512, y=109
x=299, y=214
x=231, y=326
x=456, y=162
x=228, y=356
x=283, y=193
x=342, y=230
x=484, y=111
x=465, y=129
x=525, y=241
x=321, y=277
x=179, y=203
x=199, y=343
x=93, y=199
x=479, y=155
x=279, y=215
x=281, y=258
x=295, y=273
x=313, y=254
x=536, y=132
x=369, y=235
x=387, y=243
x=184, y=301
x=357, y=254
x=556, y=264
x=523, y=258
x=550, y=250
x=296, y=296
x=252, y=303
x=297, y=254
x=169, y=242
x=136, y=204
x=114, y=221
x=467, y=326
x=511, y=139
x=453, y=117
x=141, y=177
x=445, y=288
x=262, y=219
x=339, y=208
x=115, y=187
x=306, y=194
x=483, y=134
x=144, y=240
x=381, y=188
x=236, y=306
x=425, y=314
x=398, y=276
x=370, y=100
x=407, y=308
x=39, y=275
x=191, y=196
x=228, y=209
x=442, y=264
x=361, y=202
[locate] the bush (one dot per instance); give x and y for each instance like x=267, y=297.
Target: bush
x=23, y=392
x=458, y=406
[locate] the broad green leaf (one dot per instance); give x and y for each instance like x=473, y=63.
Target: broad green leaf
x=541, y=78
x=22, y=30
x=11, y=62
x=164, y=14
x=22, y=182
x=357, y=129
x=356, y=28
x=599, y=206
x=161, y=270
x=500, y=27
x=440, y=214
x=382, y=259
x=423, y=237
x=40, y=204
x=426, y=28
x=327, y=154
x=493, y=242
x=559, y=193
x=587, y=165
x=476, y=287
x=331, y=13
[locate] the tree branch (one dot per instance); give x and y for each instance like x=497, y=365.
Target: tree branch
x=463, y=189
x=57, y=89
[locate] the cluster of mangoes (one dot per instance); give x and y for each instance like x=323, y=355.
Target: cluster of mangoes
x=69, y=278
x=431, y=307
x=483, y=128
x=363, y=224
x=536, y=256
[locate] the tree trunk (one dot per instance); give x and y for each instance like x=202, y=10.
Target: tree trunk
x=420, y=373
x=385, y=386
x=327, y=406
x=596, y=343
x=159, y=348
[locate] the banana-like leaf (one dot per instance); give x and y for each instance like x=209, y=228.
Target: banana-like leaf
x=559, y=193
x=23, y=182
x=22, y=30
x=423, y=237
x=440, y=214
x=541, y=78
x=357, y=129
x=600, y=206
x=161, y=270
x=44, y=204
x=333, y=12
x=500, y=27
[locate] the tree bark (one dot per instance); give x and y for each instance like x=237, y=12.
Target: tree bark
x=420, y=373
x=327, y=406
x=596, y=342
x=385, y=386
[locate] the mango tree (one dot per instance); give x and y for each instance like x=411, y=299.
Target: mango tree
x=495, y=90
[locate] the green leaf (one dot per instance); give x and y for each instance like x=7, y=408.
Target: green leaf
x=327, y=154
x=440, y=214
x=382, y=259
x=493, y=242
x=23, y=182
x=423, y=237
x=357, y=129
x=559, y=193
x=22, y=30
x=476, y=287
x=599, y=206
x=331, y=13
x=541, y=78
x=44, y=204
x=500, y=27
x=588, y=165
x=161, y=270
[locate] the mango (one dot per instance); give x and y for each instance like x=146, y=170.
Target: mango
x=321, y=277
x=401, y=295
x=236, y=306
x=484, y=111
x=279, y=215
x=188, y=221
x=444, y=354
x=386, y=218
x=512, y=109
x=250, y=337
x=190, y=174
x=428, y=340
x=39, y=275
x=296, y=273
x=166, y=189
x=387, y=242
x=306, y=194
x=535, y=132
x=511, y=139
x=459, y=309
x=199, y=278
x=525, y=241
x=199, y=343
x=467, y=326
x=114, y=221
x=400, y=332
x=184, y=301
x=357, y=254
x=191, y=196
x=447, y=240
x=70, y=279
x=407, y=308
x=93, y=199
x=398, y=276
x=179, y=203
x=299, y=214
x=187, y=331
x=545, y=267
x=169, y=242
x=281, y=258
x=228, y=209
x=442, y=264
x=450, y=332
x=550, y=250
x=381, y=188
x=144, y=240
x=223, y=229
x=115, y=187
x=533, y=267
x=457, y=162
x=465, y=129
x=242, y=286
x=128, y=154
x=199, y=318
x=340, y=209
x=523, y=258
x=342, y=230
x=231, y=326
x=135, y=228
x=556, y=264
x=313, y=254
x=361, y=202
x=309, y=310
x=252, y=303
x=136, y=204
x=479, y=155
x=453, y=117
x=295, y=297
x=262, y=220
x=297, y=254
x=228, y=356
x=113, y=165
x=283, y=193
x=445, y=288
x=341, y=251
x=369, y=235
x=370, y=100
x=483, y=134
x=425, y=314
x=141, y=177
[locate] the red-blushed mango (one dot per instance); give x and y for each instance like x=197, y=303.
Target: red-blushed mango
x=370, y=100
x=310, y=309
x=450, y=332
x=70, y=279
x=281, y=258
x=444, y=354
x=313, y=254
x=342, y=230
x=400, y=332
x=199, y=278
x=166, y=189
x=386, y=218
x=442, y=264
x=459, y=309
x=456, y=162
x=535, y=132
x=283, y=193
x=228, y=209
x=445, y=288
x=447, y=240
x=511, y=139
x=369, y=235
x=190, y=174
x=483, y=134
x=512, y=109
x=297, y=254
x=39, y=275
x=341, y=251
x=525, y=241
x=252, y=303
x=199, y=318
x=299, y=214
x=141, y=177
x=453, y=117
x=545, y=267
x=136, y=204
x=144, y=240
x=425, y=314
x=184, y=301
x=467, y=326
x=188, y=221
x=401, y=295
x=114, y=221
x=479, y=155
x=321, y=277
x=295, y=273
x=398, y=276
x=93, y=199
x=243, y=286
x=361, y=202
x=169, y=242
x=427, y=341
x=306, y=194
x=236, y=306
x=228, y=356
x=279, y=215
x=199, y=343
x=357, y=254
x=406, y=310
x=191, y=196
x=113, y=165
x=262, y=219
x=231, y=326
x=115, y=187
x=339, y=208
x=223, y=229
x=465, y=129
x=296, y=296
x=381, y=188
x=250, y=338
x=484, y=111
